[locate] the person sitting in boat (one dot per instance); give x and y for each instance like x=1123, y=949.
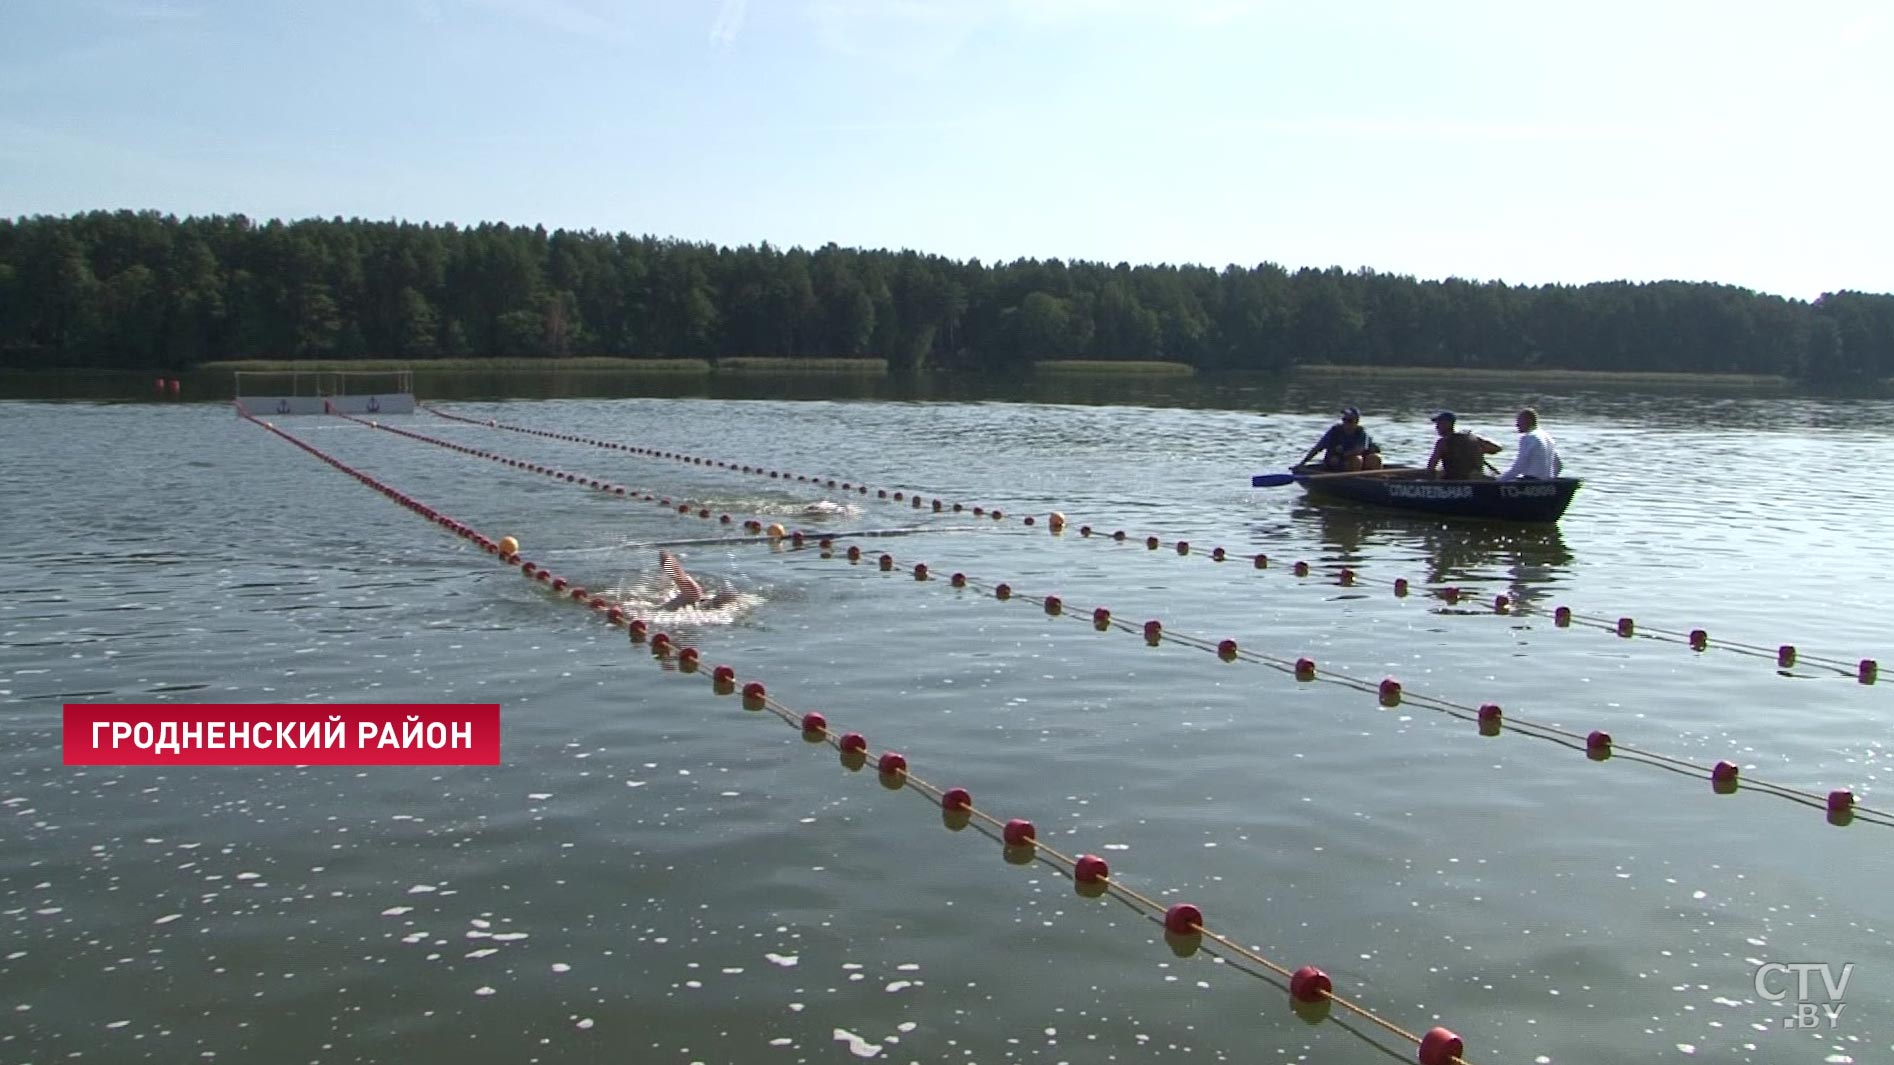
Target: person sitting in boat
x=1346, y=446
x=1538, y=457
x=689, y=592
x=1458, y=454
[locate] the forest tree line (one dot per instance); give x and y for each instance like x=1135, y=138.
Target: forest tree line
x=151, y=291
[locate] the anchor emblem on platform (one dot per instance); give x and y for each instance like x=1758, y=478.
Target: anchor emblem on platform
x=282, y=406
x=374, y=404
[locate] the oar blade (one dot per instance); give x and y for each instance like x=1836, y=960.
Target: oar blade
x=1272, y=480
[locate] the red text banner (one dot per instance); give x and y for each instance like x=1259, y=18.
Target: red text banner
x=282, y=734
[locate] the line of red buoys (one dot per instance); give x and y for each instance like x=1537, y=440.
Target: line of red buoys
x=1839, y=804
x=1183, y=923
x=580, y=479
x=1786, y=656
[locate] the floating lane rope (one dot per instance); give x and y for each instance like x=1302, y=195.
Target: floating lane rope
x=1598, y=745
x=1786, y=656
x=1311, y=990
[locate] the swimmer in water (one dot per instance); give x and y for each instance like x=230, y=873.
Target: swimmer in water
x=689, y=592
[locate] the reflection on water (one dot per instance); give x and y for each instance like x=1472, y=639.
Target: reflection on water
x=1530, y=560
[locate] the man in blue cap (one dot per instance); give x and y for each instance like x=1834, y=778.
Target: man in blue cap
x=1459, y=455
x=1347, y=446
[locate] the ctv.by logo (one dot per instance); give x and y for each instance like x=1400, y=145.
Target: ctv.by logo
x=1809, y=1012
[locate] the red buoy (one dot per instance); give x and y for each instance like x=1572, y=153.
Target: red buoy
x=1723, y=772
x=1150, y=543
x=723, y=675
x=1400, y=587
x=920, y=571
x=812, y=721
x=1868, y=671
x=1785, y=656
x=1390, y=692
x=1626, y=627
x=1153, y=631
x=1183, y=919
x=1598, y=741
x=1090, y=869
x=1004, y=591
x=1216, y=554
x=852, y=743
x=1310, y=984
x=660, y=644
x=1699, y=639
x=954, y=799
x=1054, y=605
x=637, y=628
x=854, y=553
x=1841, y=801
x=1302, y=569
x=1183, y=547
x=1101, y=619
x=1490, y=714
x=1019, y=832
x=1347, y=576
x=891, y=763
x=958, y=580
x=1440, y=1047
x=755, y=690
x=687, y=659
x=886, y=562
x=1501, y=604
x=1226, y=650
x=1262, y=561
x=1305, y=669
x=1562, y=616
x=1119, y=536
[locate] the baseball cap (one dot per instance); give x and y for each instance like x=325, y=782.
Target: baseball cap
x=1350, y=412
x=1444, y=416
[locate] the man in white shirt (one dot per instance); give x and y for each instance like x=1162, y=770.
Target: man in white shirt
x=1538, y=456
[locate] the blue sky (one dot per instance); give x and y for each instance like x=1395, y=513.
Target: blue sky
x=1744, y=144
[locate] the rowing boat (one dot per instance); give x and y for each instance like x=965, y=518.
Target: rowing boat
x=1411, y=488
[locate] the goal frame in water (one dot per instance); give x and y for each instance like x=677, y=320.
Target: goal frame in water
x=324, y=391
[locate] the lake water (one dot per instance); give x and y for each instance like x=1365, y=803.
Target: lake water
x=655, y=875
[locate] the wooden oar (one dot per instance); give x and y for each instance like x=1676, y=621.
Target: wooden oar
x=1277, y=480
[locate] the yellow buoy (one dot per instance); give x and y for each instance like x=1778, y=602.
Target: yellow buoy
x=776, y=531
x=1056, y=521
x=509, y=546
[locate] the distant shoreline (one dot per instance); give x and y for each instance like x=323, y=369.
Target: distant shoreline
x=1543, y=377
x=566, y=364
x=1114, y=366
